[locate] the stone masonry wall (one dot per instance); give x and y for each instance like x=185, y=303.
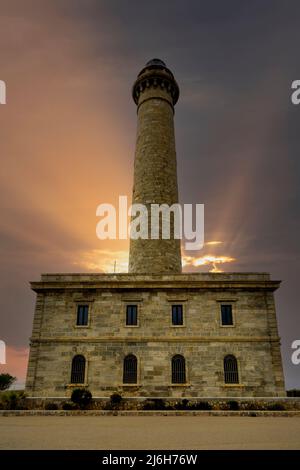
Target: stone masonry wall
x=202, y=340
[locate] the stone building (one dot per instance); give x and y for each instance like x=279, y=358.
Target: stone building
x=155, y=332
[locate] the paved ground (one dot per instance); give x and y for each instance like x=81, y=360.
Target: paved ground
x=152, y=432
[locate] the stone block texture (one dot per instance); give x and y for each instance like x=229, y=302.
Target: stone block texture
x=155, y=174
x=202, y=340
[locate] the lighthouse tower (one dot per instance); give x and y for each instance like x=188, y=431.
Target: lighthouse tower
x=155, y=92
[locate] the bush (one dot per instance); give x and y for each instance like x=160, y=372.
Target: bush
x=13, y=400
x=251, y=405
x=6, y=380
x=233, y=405
x=276, y=407
x=182, y=405
x=201, y=405
x=154, y=404
x=51, y=406
x=148, y=405
x=115, y=400
x=81, y=397
x=293, y=393
x=68, y=405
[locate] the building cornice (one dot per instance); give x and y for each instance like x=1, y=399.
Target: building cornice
x=199, y=281
x=155, y=339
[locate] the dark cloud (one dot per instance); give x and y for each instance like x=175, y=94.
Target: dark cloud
x=68, y=130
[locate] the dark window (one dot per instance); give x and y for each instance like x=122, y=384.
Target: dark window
x=78, y=370
x=82, y=315
x=226, y=315
x=131, y=315
x=178, y=369
x=130, y=369
x=177, y=315
x=231, y=374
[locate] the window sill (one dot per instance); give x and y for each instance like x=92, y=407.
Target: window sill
x=233, y=385
x=77, y=385
x=178, y=326
x=82, y=326
x=227, y=326
x=180, y=385
x=130, y=385
x=131, y=326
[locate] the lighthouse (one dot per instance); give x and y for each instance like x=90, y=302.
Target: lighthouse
x=155, y=93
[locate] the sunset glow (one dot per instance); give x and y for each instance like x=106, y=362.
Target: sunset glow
x=209, y=260
x=214, y=243
x=106, y=261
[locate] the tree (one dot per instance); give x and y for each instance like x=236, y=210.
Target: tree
x=6, y=380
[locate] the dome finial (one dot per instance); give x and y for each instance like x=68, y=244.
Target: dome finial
x=156, y=61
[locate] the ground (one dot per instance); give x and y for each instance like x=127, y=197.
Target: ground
x=152, y=432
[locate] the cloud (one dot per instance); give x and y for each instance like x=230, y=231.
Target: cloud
x=207, y=260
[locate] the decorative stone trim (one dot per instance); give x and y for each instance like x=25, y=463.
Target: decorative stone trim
x=180, y=385
x=85, y=385
x=162, y=79
x=157, y=339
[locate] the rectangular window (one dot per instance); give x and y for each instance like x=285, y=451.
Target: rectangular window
x=177, y=315
x=82, y=315
x=131, y=315
x=226, y=315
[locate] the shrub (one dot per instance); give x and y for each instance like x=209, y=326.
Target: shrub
x=201, y=405
x=276, y=407
x=13, y=400
x=148, y=405
x=233, y=405
x=182, y=405
x=154, y=404
x=115, y=400
x=81, y=397
x=185, y=404
x=293, y=393
x=68, y=405
x=251, y=405
x=51, y=406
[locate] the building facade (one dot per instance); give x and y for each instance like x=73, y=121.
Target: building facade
x=155, y=332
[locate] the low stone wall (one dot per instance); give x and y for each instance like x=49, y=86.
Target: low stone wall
x=217, y=404
x=7, y=413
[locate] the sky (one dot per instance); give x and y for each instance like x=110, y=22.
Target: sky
x=67, y=138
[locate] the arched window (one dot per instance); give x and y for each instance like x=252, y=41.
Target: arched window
x=231, y=373
x=78, y=369
x=130, y=369
x=178, y=369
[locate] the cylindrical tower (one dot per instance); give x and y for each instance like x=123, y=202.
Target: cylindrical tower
x=155, y=92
